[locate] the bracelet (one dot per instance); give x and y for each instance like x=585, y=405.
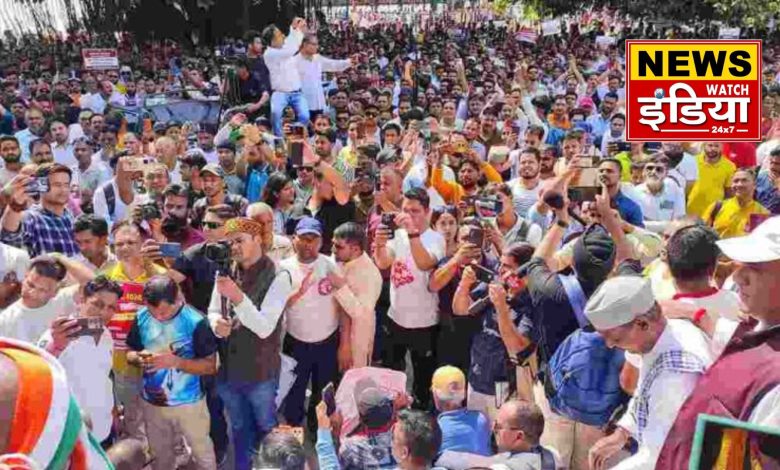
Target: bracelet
x=414, y=235
x=698, y=315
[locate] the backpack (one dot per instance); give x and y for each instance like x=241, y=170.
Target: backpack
x=582, y=378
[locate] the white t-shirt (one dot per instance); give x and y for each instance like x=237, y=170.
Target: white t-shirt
x=28, y=324
x=523, y=198
x=88, y=366
x=412, y=305
x=687, y=168
x=100, y=205
x=720, y=304
x=13, y=263
x=667, y=205
x=314, y=317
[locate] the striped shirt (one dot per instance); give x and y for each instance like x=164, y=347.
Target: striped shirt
x=43, y=231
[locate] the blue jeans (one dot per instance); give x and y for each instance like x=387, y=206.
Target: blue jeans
x=251, y=407
x=280, y=100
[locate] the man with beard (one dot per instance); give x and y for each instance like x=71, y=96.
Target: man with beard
x=323, y=144
x=488, y=134
x=715, y=173
x=525, y=188
x=661, y=200
x=470, y=172
x=599, y=123
x=36, y=128
x=62, y=149
x=364, y=184
x=226, y=153
x=214, y=189
x=173, y=227
x=683, y=168
x=357, y=291
x=206, y=142
x=549, y=155
x=471, y=132
x=609, y=176
x=190, y=166
x=11, y=154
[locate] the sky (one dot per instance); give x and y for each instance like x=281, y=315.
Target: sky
x=15, y=16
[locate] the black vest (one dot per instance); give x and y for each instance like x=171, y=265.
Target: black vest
x=245, y=356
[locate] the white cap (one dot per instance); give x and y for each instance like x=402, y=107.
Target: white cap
x=618, y=301
x=760, y=246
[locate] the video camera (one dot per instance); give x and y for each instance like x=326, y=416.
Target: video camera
x=219, y=254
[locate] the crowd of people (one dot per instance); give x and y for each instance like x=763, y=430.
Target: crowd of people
x=454, y=202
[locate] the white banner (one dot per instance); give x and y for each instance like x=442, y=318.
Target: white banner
x=551, y=27
x=728, y=33
x=100, y=59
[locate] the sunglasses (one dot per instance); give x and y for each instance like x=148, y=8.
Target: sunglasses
x=212, y=225
x=371, y=114
x=306, y=168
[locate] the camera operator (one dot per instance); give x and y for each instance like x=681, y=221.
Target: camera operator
x=510, y=228
x=499, y=302
x=196, y=268
x=250, y=333
x=87, y=357
x=172, y=227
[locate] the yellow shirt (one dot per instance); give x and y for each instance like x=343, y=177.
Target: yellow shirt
x=711, y=186
x=127, y=307
x=733, y=219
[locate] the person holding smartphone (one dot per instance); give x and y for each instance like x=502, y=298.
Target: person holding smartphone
x=86, y=353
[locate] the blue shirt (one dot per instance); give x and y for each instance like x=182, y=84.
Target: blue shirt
x=599, y=125
x=189, y=336
x=25, y=137
x=767, y=194
x=465, y=430
x=629, y=210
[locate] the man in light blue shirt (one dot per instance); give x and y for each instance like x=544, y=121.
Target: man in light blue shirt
x=36, y=127
x=462, y=430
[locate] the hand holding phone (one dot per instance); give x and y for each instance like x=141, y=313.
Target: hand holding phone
x=329, y=397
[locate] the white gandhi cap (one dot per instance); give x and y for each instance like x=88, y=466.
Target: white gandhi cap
x=618, y=301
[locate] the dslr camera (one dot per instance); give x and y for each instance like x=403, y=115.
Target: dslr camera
x=150, y=211
x=219, y=253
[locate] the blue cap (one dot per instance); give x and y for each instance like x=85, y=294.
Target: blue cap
x=309, y=225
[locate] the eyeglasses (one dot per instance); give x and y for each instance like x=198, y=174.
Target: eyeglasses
x=306, y=168
x=212, y=225
x=654, y=168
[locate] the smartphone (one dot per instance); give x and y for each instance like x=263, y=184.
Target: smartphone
x=476, y=236
x=329, y=397
x=483, y=274
x=170, y=250
x=89, y=326
x=580, y=194
x=388, y=221
x=297, y=130
x=296, y=153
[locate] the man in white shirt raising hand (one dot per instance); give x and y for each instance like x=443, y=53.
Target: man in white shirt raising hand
x=285, y=79
x=311, y=65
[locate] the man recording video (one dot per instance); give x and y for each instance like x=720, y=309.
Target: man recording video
x=245, y=313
